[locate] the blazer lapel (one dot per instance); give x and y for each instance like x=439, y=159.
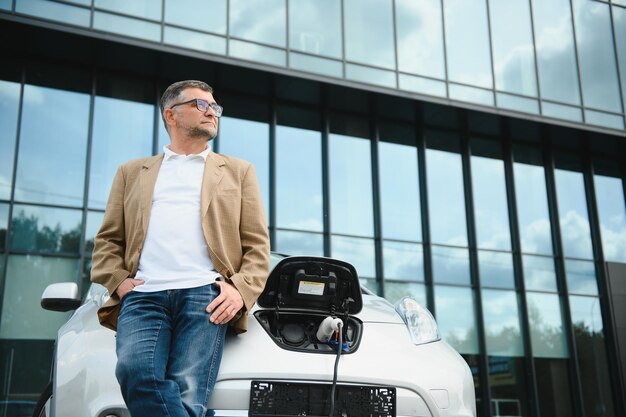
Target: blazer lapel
x=147, y=180
x=212, y=176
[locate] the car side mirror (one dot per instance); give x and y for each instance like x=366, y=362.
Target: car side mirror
x=62, y=296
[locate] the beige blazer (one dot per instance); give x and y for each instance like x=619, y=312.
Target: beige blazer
x=233, y=224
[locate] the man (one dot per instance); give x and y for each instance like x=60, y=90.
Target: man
x=184, y=251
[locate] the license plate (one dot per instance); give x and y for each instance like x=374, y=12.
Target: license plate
x=288, y=399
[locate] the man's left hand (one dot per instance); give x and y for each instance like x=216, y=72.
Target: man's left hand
x=224, y=307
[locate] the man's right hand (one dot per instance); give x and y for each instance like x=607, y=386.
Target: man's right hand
x=127, y=286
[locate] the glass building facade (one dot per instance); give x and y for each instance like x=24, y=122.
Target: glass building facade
x=470, y=153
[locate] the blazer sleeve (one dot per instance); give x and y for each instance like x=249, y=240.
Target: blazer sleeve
x=255, y=243
x=108, y=265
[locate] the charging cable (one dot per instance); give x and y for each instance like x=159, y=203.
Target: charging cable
x=339, y=349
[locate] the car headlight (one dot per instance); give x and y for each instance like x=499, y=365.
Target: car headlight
x=421, y=324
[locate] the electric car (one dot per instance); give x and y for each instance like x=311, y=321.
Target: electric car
x=318, y=344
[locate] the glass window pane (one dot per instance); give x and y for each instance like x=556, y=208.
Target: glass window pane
x=4, y=220
x=399, y=192
x=597, y=118
x=371, y=75
x=403, y=261
x=422, y=85
x=314, y=64
x=46, y=129
x=194, y=40
x=547, y=333
x=420, y=23
x=94, y=221
x=6, y=4
x=299, y=196
x=592, y=357
x=581, y=277
x=573, y=216
x=9, y=104
x=539, y=273
x=561, y=112
x=351, y=206
x=471, y=94
x=363, y=44
x=357, y=251
x=456, y=317
x=508, y=386
x=127, y=26
x=54, y=11
x=490, y=203
x=306, y=34
x=446, y=204
x=612, y=213
x=556, y=58
x=496, y=269
x=149, y=9
x=27, y=277
x=619, y=21
x=532, y=209
x=450, y=265
x=45, y=229
x=598, y=69
x=197, y=14
x=298, y=243
x=526, y=105
x=553, y=388
x=502, y=323
x=259, y=21
x=122, y=130
x=394, y=291
x=249, y=140
x=254, y=52
x=513, y=49
x=467, y=42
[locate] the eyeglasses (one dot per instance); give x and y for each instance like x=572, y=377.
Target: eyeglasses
x=203, y=106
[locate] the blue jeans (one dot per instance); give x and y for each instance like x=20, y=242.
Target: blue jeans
x=168, y=352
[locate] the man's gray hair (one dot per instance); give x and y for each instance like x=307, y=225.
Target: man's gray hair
x=173, y=92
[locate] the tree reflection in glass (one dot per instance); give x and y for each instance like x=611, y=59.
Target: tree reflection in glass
x=45, y=229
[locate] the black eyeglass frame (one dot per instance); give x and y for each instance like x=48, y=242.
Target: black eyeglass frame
x=203, y=106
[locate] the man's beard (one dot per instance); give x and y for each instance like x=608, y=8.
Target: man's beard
x=208, y=132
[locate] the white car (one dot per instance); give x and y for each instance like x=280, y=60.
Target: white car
x=392, y=362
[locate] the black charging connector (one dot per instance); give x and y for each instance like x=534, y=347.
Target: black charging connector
x=332, y=390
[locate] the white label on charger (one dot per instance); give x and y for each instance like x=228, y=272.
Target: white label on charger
x=311, y=288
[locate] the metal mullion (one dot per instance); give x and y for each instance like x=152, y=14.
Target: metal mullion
x=46, y=254
x=378, y=228
x=272, y=165
x=445, y=49
x=580, y=84
x=617, y=61
x=92, y=11
x=574, y=369
x=83, y=231
x=156, y=119
x=532, y=30
x=343, y=39
x=227, y=27
x=531, y=372
x=395, y=41
x=325, y=130
x=13, y=182
x=606, y=303
x=287, y=46
x=474, y=273
x=420, y=144
x=162, y=22
x=493, y=68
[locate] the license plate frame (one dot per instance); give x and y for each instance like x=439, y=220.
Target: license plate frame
x=289, y=399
